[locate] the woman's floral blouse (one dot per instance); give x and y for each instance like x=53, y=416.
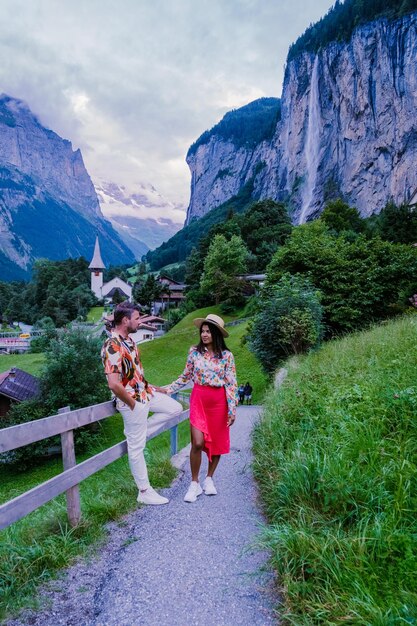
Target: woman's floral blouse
x=203, y=369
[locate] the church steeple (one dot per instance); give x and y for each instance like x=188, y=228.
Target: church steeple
x=97, y=266
x=97, y=261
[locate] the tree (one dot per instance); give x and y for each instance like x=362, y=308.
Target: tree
x=397, y=224
x=146, y=293
x=224, y=260
x=42, y=343
x=361, y=281
x=73, y=372
x=339, y=216
x=265, y=226
x=289, y=321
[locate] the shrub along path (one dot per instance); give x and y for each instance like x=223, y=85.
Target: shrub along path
x=176, y=564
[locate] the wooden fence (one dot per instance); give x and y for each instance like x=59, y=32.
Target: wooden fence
x=67, y=481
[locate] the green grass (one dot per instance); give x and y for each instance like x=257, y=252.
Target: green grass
x=95, y=314
x=31, y=363
x=335, y=457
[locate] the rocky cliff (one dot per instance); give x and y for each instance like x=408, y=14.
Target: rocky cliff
x=48, y=205
x=348, y=127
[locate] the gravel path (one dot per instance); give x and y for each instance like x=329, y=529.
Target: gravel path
x=179, y=564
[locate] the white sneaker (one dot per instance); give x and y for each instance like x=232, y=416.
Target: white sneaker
x=150, y=496
x=194, y=490
x=209, y=488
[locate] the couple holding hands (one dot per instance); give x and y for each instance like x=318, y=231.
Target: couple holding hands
x=210, y=366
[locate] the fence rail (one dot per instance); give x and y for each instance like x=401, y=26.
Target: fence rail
x=67, y=481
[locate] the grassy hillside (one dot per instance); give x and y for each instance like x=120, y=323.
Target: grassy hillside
x=31, y=363
x=336, y=458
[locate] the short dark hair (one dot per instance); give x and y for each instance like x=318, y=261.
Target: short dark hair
x=124, y=309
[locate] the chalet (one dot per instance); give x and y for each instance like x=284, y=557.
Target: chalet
x=158, y=323
x=17, y=386
x=149, y=327
x=173, y=295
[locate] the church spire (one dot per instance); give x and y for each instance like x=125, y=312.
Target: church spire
x=96, y=267
x=96, y=261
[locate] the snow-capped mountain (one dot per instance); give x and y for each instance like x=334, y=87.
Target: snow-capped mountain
x=143, y=218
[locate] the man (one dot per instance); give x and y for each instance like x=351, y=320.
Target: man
x=134, y=397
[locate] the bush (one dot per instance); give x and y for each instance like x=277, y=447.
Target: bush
x=42, y=343
x=20, y=413
x=73, y=376
x=289, y=321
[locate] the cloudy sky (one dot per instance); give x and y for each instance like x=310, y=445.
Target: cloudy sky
x=134, y=82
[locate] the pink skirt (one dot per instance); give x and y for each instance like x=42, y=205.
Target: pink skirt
x=208, y=413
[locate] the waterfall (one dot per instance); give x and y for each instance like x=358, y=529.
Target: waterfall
x=312, y=146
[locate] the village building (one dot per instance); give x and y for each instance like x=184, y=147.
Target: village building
x=172, y=296
x=106, y=291
x=17, y=386
x=150, y=327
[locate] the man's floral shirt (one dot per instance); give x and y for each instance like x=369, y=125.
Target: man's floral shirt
x=121, y=356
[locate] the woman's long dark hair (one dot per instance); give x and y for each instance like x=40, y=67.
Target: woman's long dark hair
x=218, y=340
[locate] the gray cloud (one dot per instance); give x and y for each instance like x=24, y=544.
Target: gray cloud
x=134, y=83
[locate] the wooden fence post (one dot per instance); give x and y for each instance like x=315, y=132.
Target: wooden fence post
x=174, y=440
x=69, y=460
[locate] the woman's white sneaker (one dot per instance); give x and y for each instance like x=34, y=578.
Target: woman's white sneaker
x=209, y=488
x=194, y=490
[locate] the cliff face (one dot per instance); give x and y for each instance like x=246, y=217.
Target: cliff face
x=348, y=127
x=48, y=205
x=218, y=171
x=223, y=160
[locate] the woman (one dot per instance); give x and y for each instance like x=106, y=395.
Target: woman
x=211, y=367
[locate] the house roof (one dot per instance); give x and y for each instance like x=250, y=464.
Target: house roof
x=97, y=261
x=110, y=294
x=146, y=327
x=167, y=280
x=20, y=386
x=152, y=319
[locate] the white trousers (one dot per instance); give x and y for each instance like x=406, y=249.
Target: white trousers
x=135, y=427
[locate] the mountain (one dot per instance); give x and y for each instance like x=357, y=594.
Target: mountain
x=347, y=123
x=225, y=158
x=48, y=205
x=131, y=211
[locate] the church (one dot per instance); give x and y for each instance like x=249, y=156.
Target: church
x=106, y=291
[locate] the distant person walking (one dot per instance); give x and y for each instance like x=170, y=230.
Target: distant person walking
x=211, y=367
x=241, y=393
x=134, y=396
x=248, y=393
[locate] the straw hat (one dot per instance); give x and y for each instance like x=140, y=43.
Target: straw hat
x=216, y=320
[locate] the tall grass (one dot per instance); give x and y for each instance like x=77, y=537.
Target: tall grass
x=336, y=459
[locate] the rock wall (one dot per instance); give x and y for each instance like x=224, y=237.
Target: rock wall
x=348, y=127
